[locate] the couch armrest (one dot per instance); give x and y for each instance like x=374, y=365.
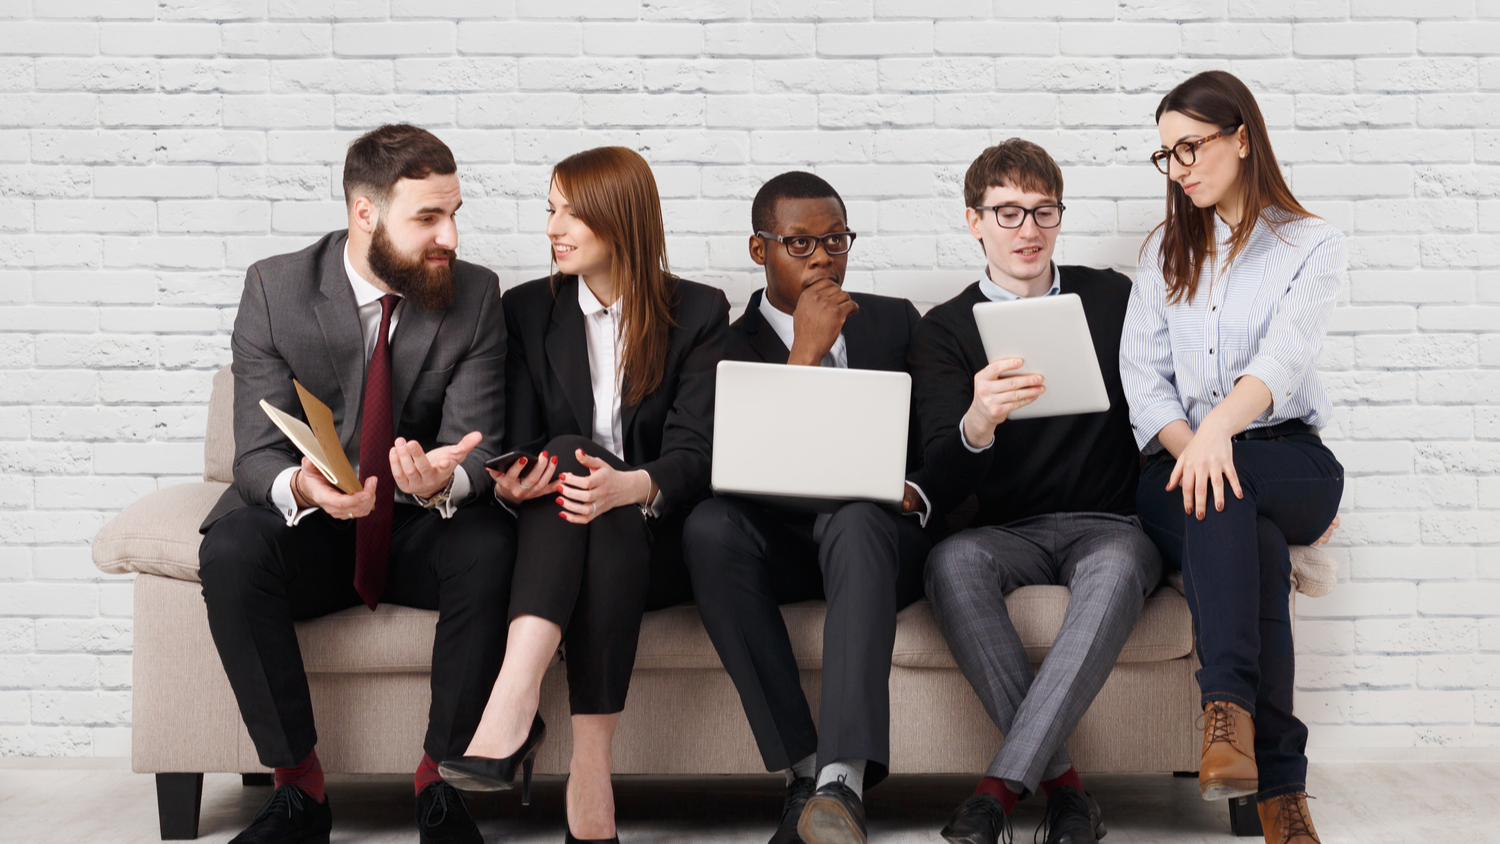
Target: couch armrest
x=158, y=534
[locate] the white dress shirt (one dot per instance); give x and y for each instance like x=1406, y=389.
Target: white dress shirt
x=367, y=300
x=996, y=293
x=1264, y=315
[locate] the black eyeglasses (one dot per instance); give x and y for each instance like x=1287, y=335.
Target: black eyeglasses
x=803, y=245
x=1014, y=216
x=1186, y=152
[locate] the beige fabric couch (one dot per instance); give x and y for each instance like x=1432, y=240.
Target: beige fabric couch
x=369, y=674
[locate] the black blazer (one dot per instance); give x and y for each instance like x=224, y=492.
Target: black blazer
x=548, y=392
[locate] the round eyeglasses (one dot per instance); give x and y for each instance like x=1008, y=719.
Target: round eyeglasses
x=1186, y=152
x=1014, y=216
x=803, y=245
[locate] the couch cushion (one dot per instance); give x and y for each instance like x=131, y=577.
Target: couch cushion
x=159, y=533
x=1164, y=630
x=675, y=638
x=218, y=440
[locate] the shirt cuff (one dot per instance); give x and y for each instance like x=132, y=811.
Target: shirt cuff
x=653, y=507
x=285, y=501
x=926, y=512
x=1149, y=421
x=459, y=490
x=1275, y=376
x=964, y=438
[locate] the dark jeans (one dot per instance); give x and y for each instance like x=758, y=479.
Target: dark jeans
x=259, y=576
x=1237, y=570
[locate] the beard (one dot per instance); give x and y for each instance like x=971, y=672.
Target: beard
x=428, y=287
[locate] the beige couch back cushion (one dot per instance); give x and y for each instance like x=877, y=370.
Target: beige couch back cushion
x=218, y=440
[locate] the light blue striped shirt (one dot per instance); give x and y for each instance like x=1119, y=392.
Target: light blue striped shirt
x=1265, y=316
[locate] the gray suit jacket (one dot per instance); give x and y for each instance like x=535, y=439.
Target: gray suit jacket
x=298, y=319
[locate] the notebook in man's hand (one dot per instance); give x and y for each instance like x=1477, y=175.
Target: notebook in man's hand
x=320, y=442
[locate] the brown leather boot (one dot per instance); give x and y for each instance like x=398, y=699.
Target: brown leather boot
x=1227, y=769
x=1284, y=819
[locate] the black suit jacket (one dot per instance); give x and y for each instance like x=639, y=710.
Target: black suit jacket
x=549, y=394
x=298, y=319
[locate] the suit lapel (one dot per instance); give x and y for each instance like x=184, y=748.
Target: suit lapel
x=338, y=316
x=860, y=344
x=763, y=338
x=568, y=354
x=414, y=336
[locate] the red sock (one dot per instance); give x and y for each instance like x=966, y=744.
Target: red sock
x=1068, y=777
x=307, y=776
x=996, y=787
x=427, y=773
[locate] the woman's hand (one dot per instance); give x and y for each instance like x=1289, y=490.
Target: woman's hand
x=1207, y=460
x=514, y=489
x=585, y=497
x=1328, y=534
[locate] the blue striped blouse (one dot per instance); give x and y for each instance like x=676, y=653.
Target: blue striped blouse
x=1265, y=316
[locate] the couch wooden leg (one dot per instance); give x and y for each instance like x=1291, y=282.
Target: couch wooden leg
x=248, y=780
x=178, y=798
x=1244, y=820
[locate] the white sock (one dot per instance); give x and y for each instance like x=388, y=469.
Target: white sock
x=802, y=768
x=851, y=771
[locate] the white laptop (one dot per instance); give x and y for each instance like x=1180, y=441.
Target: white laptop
x=810, y=437
x=1051, y=335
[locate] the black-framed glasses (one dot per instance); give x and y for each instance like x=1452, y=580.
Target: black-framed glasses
x=1014, y=216
x=803, y=245
x=1186, y=152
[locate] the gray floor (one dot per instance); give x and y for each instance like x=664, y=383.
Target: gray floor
x=1390, y=800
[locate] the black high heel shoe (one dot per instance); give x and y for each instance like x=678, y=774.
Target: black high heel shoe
x=569, y=839
x=481, y=773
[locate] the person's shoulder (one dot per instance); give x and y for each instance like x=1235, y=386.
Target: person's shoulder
x=471, y=274
x=304, y=266
x=955, y=311
x=1101, y=279
x=883, y=307
x=695, y=300
x=529, y=293
x=1306, y=231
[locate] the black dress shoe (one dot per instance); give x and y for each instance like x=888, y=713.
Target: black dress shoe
x=481, y=773
x=569, y=839
x=979, y=820
x=442, y=817
x=291, y=816
x=791, y=811
x=833, y=815
x=1072, y=818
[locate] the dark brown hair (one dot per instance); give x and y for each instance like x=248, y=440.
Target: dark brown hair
x=1187, y=242
x=613, y=192
x=1020, y=164
x=381, y=157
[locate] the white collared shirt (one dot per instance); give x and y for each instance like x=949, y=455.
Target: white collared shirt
x=367, y=304
x=996, y=293
x=603, y=329
x=785, y=327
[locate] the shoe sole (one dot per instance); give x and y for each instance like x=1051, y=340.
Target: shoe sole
x=1227, y=789
x=465, y=781
x=976, y=838
x=826, y=821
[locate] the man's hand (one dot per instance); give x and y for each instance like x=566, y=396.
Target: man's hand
x=821, y=311
x=996, y=396
x=311, y=489
x=425, y=474
x=514, y=489
x=911, y=502
x=585, y=497
x=1328, y=534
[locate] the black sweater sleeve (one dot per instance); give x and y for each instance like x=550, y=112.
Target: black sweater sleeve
x=942, y=390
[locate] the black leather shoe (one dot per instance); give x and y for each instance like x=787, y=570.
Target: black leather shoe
x=979, y=820
x=442, y=817
x=791, y=811
x=291, y=816
x=481, y=773
x=1072, y=818
x=833, y=815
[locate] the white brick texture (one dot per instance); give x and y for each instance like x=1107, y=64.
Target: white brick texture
x=150, y=150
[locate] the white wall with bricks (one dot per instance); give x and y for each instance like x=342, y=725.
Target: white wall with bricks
x=151, y=149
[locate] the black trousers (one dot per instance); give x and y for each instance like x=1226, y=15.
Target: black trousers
x=1237, y=569
x=595, y=581
x=259, y=575
x=746, y=560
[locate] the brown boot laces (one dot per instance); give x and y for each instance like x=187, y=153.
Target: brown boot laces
x=1219, y=720
x=1293, y=817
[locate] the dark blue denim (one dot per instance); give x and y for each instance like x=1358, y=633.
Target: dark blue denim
x=1236, y=570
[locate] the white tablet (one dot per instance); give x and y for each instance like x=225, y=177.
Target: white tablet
x=1051, y=334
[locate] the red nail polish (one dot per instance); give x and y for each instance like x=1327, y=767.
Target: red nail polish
x=559, y=500
x=522, y=461
x=554, y=460
x=562, y=516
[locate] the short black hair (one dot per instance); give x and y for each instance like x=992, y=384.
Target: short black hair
x=381, y=157
x=796, y=184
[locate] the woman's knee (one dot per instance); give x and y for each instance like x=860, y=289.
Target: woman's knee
x=566, y=447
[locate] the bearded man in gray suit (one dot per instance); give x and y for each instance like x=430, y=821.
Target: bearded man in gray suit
x=406, y=346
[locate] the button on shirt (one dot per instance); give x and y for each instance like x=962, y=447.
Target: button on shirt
x=996, y=293
x=367, y=301
x=1264, y=315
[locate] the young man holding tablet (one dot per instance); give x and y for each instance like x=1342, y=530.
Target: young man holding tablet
x=746, y=558
x=1055, y=500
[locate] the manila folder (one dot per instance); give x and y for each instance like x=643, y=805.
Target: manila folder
x=320, y=442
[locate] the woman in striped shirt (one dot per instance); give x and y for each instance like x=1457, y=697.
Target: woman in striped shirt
x=1223, y=330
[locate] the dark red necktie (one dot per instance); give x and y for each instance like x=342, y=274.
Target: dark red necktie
x=372, y=533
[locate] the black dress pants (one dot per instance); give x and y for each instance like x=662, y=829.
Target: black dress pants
x=595, y=581
x=746, y=560
x=259, y=575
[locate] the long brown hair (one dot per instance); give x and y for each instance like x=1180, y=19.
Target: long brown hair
x=613, y=192
x=1187, y=243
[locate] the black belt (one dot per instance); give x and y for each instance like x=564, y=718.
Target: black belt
x=1296, y=426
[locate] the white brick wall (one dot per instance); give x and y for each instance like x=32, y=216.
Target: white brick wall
x=150, y=150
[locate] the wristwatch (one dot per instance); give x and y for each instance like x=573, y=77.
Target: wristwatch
x=434, y=501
